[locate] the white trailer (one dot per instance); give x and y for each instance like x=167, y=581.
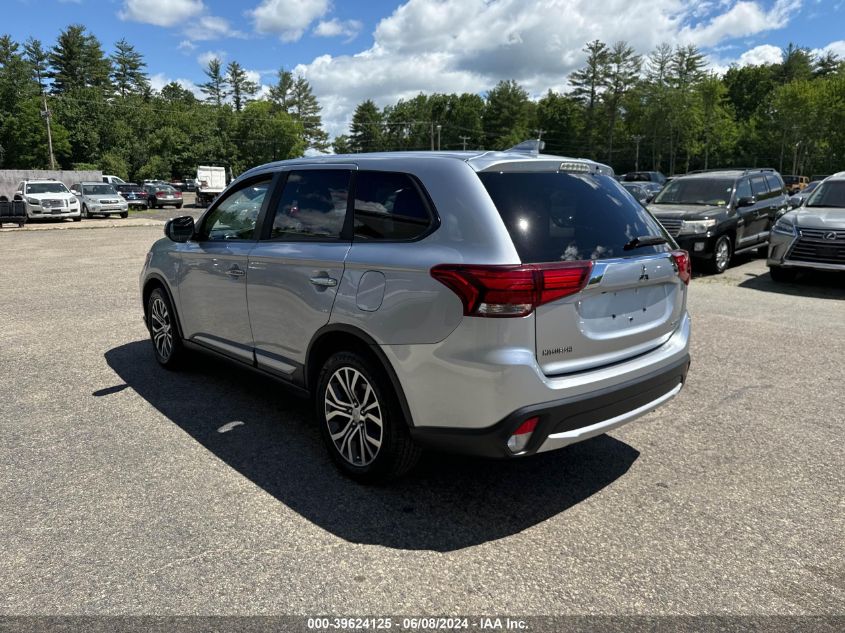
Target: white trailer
x=211, y=181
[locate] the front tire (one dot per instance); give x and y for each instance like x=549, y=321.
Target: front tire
x=78, y=218
x=161, y=322
x=125, y=214
x=722, y=251
x=361, y=421
x=85, y=213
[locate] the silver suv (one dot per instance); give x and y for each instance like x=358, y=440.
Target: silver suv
x=813, y=235
x=499, y=303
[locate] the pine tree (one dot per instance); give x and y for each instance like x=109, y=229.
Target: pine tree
x=506, y=120
x=281, y=93
x=366, y=131
x=307, y=109
x=216, y=87
x=77, y=61
x=588, y=84
x=128, y=69
x=240, y=86
x=37, y=57
x=623, y=70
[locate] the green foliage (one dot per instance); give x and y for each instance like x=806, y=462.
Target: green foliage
x=156, y=168
x=507, y=115
x=127, y=72
x=240, y=87
x=366, y=130
x=216, y=88
x=77, y=61
x=114, y=164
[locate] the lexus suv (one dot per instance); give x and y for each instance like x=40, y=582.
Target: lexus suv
x=47, y=199
x=813, y=235
x=716, y=214
x=499, y=304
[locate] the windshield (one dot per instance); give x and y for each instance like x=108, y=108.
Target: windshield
x=46, y=187
x=828, y=194
x=709, y=191
x=98, y=190
x=558, y=216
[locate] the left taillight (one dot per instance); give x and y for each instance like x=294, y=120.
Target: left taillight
x=683, y=265
x=512, y=291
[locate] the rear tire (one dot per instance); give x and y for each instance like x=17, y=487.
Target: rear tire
x=77, y=219
x=125, y=214
x=361, y=420
x=164, y=333
x=721, y=258
x=780, y=274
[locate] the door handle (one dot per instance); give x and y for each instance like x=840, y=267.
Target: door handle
x=324, y=282
x=235, y=272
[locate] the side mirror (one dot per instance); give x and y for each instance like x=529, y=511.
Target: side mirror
x=180, y=229
x=746, y=201
x=795, y=201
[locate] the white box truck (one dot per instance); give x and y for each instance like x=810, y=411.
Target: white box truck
x=211, y=181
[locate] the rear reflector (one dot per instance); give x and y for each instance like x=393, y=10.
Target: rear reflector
x=512, y=291
x=683, y=265
x=519, y=440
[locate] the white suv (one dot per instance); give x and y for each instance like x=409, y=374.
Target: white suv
x=496, y=303
x=48, y=199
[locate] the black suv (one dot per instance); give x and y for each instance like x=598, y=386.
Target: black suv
x=714, y=214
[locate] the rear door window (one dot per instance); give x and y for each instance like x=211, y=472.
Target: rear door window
x=774, y=184
x=557, y=216
x=312, y=206
x=388, y=206
x=760, y=187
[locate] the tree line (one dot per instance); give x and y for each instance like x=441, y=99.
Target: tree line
x=105, y=115
x=661, y=111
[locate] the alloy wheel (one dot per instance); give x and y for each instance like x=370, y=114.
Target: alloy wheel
x=723, y=253
x=161, y=329
x=354, y=417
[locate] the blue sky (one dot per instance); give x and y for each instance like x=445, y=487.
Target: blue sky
x=387, y=49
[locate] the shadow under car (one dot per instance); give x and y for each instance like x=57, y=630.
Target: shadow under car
x=446, y=503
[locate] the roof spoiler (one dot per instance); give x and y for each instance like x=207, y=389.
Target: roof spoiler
x=531, y=146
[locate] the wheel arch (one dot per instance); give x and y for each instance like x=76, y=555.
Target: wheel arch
x=337, y=337
x=153, y=281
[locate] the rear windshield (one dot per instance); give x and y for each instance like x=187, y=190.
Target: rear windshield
x=556, y=216
x=709, y=191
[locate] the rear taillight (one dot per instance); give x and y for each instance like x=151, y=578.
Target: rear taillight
x=512, y=291
x=178, y=194
x=160, y=194
x=683, y=264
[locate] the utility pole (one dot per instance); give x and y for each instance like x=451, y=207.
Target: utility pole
x=464, y=139
x=47, y=114
x=431, y=130
x=795, y=158
x=539, y=134
x=439, y=127
x=637, y=138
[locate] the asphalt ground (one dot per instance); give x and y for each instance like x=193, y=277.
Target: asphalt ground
x=127, y=489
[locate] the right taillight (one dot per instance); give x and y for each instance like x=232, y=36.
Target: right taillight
x=512, y=291
x=683, y=264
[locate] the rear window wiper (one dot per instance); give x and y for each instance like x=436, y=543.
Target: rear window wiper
x=644, y=240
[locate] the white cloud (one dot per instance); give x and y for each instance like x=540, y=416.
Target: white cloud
x=187, y=45
x=160, y=80
x=469, y=45
x=335, y=27
x=210, y=27
x=160, y=12
x=743, y=18
x=204, y=58
x=837, y=48
x=761, y=55
x=287, y=18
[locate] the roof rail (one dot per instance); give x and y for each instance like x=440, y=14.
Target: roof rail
x=744, y=170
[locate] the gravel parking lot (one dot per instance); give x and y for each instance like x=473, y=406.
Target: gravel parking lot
x=126, y=489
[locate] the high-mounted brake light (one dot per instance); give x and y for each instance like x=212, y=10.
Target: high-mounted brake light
x=683, y=264
x=512, y=291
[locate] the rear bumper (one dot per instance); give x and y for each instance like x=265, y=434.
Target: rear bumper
x=565, y=421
